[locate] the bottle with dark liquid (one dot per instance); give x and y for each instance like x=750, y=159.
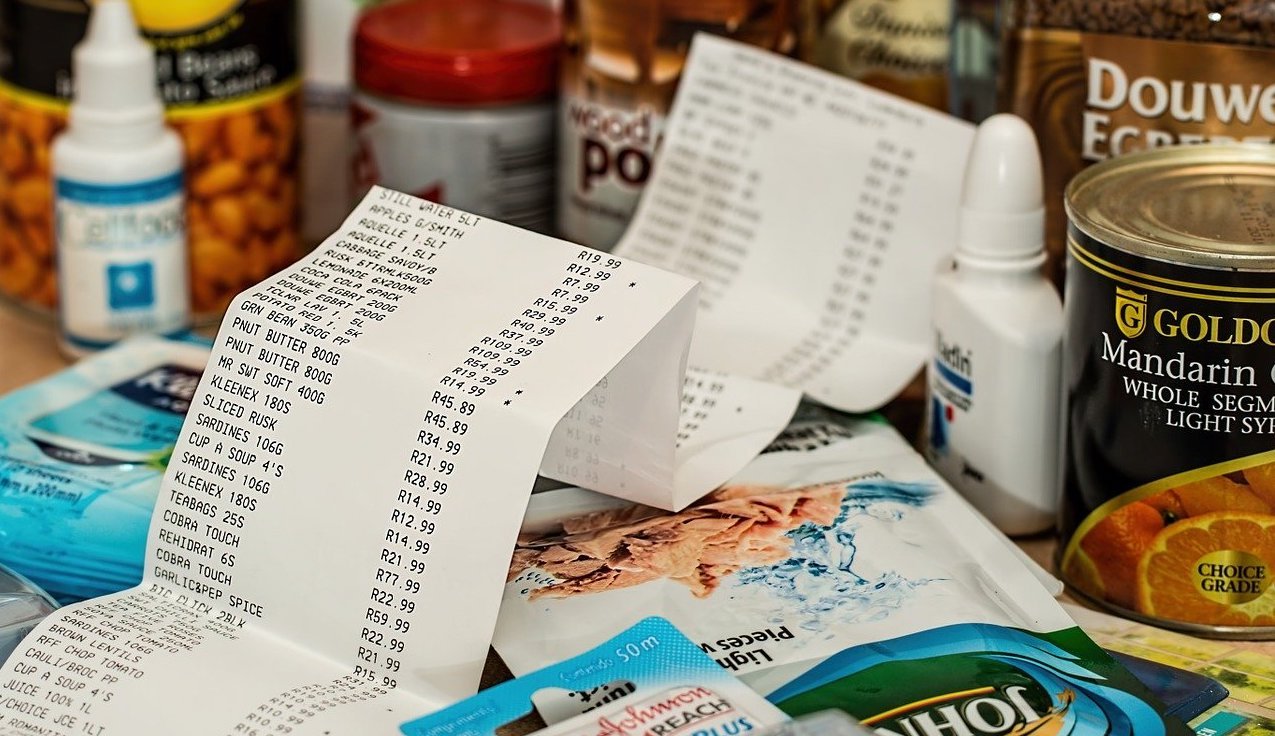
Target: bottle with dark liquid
x=621, y=64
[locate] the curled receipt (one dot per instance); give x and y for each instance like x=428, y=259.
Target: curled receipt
x=814, y=210
x=332, y=534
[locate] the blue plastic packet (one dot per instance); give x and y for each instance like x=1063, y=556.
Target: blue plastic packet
x=81, y=457
x=650, y=679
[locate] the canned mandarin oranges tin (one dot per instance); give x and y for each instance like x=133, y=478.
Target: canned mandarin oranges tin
x=1168, y=510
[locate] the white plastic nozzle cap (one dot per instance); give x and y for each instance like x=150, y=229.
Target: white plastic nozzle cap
x=114, y=68
x=1002, y=201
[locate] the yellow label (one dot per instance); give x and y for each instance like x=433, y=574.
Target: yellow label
x=1231, y=576
x=901, y=46
x=1196, y=548
x=1131, y=312
x=170, y=16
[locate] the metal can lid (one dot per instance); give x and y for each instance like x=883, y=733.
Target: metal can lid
x=1205, y=205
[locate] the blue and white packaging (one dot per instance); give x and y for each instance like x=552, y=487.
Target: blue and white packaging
x=81, y=457
x=648, y=680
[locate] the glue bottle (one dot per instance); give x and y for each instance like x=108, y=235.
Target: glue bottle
x=991, y=423
x=118, y=194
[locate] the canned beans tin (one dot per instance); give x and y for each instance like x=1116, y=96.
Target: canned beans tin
x=227, y=70
x=1168, y=509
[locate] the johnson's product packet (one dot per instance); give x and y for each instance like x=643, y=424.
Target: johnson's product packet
x=648, y=680
x=837, y=542
x=81, y=457
x=980, y=679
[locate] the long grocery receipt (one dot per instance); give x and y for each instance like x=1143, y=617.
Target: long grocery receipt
x=725, y=422
x=332, y=534
x=814, y=210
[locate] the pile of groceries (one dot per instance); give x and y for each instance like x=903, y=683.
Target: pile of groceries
x=445, y=476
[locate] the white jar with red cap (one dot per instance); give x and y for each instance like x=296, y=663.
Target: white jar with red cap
x=454, y=102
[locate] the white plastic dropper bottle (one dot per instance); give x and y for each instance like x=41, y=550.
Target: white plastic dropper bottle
x=119, y=196
x=991, y=424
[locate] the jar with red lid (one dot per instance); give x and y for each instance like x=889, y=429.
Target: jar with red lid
x=454, y=102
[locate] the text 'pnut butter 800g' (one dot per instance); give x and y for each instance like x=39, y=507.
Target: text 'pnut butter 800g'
x=1168, y=509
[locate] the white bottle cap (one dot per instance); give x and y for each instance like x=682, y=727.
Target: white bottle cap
x=114, y=71
x=1002, y=210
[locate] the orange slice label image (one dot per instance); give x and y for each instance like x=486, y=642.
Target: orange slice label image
x=1212, y=569
x=1196, y=548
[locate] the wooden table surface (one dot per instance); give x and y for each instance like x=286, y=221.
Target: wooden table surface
x=28, y=351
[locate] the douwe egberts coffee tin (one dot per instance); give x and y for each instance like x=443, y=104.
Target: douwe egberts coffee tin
x=1168, y=509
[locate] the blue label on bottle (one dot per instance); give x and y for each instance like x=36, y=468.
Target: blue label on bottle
x=139, y=192
x=130, y=285
x=122, y=265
